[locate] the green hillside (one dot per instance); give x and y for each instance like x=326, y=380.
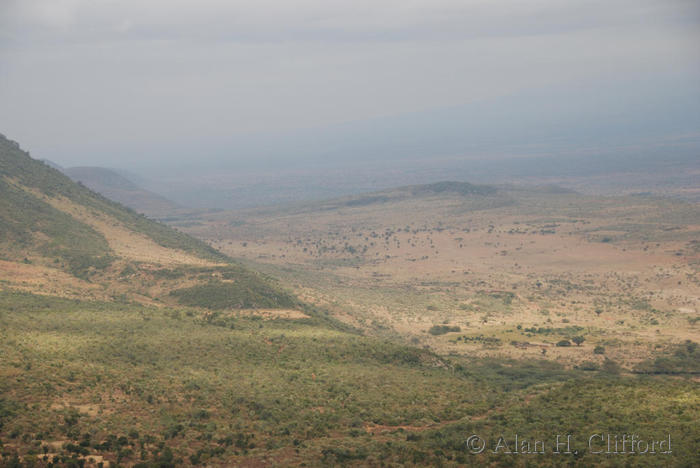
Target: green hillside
x=165, y=387
x=22, y=216
x=23, y=213
x=39, y=229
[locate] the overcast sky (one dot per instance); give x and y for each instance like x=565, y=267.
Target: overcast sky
x=114, y=82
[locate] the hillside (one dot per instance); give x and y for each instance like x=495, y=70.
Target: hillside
x=60, y=238
x=116, y=187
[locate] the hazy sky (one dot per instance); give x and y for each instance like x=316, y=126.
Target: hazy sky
x=114, y=82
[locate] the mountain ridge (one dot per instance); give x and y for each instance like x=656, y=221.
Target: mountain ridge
x=58, y=237
x=119, y=188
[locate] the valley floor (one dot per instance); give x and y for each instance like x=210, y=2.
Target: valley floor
x=509, y=277
x=401, y=330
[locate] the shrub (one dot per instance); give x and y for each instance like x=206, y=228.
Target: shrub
x=442, y=329
x=564, y=343
x=589, y=366
x=610, y=367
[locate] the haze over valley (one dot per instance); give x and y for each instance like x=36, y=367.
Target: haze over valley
x=327, y=233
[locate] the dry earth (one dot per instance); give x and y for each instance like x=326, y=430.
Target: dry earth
x=623, y=270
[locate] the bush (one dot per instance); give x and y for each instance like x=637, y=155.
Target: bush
x=610, y=367
x=599, y=350
x=442, y=329
x=564, y=343
x=589, y=366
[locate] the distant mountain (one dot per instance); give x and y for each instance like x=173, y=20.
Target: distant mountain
x=475, y=196
x=52, y=164
x=449, y=187
x=443, y=188
x=611, y=138
x=115, y=186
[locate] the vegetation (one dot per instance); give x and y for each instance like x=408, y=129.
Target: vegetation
x=22, y=217
x=229, y=287
x=242, y=293
x=682, y=359
x=288, y=391
x=22, y=212
x=442, y=329
x=460, y=188
x=37, y=225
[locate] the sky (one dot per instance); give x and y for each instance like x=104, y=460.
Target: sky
x=135, y=82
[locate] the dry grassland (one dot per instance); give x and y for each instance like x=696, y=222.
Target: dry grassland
x=621, y=272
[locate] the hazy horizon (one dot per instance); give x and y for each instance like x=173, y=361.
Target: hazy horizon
x=269, y=85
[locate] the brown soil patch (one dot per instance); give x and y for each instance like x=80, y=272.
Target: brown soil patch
x=271, y=314
x=44, y=280
x=85, y=409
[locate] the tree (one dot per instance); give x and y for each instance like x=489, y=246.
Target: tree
x=578, y=340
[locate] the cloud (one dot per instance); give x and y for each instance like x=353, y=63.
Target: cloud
x=329, y=20
x=52, y=14
x=86, y=77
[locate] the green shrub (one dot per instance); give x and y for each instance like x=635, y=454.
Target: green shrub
x=610, y=367
x=443, y=329
x=589, y=366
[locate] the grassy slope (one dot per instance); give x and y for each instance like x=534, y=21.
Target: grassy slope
x=20, y=167
x=22, y=216
x=30, y=227
x=164, y=386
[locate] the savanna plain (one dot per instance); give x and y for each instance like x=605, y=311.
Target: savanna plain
x=382, y=329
